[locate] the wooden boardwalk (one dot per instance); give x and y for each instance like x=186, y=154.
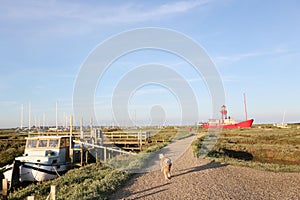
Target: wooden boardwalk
x=127, y=140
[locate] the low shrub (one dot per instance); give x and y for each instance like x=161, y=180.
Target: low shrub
x=93, y=181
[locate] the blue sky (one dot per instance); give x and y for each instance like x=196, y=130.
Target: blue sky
x=255, y=46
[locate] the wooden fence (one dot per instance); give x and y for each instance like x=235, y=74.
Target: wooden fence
x=103, y=153
x=51, y=196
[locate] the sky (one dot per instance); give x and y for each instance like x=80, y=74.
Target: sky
x=255, y=46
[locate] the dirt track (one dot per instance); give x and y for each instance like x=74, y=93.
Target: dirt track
x=195, y=178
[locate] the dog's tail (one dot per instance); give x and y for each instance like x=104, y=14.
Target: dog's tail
x=161, y=156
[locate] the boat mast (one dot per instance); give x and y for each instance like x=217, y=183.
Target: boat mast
x=283, y=118
x=81, y=129
x=91, y=127
x=71, y=142
x=245, y=106
x=22, y=116
x=29, y=110
x=44, y=119
x=56, y=113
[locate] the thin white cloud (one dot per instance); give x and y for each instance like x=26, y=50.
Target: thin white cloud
x=63, y=17
x=158, y=12
x=238, y=57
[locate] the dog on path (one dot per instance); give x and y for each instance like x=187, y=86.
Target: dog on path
x=166, y=165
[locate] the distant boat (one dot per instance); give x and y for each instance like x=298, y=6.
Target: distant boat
x=282, y=124
x=45, y=158
x=227, y=122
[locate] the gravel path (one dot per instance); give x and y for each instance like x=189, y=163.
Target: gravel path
x=196, y=178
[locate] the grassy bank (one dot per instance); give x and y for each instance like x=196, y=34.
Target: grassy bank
x=13, y=148
x=268, y=148
x=90, y=182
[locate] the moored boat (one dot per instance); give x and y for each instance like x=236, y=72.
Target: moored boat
x=227, y=122
x=243, y=124
x=44, y=158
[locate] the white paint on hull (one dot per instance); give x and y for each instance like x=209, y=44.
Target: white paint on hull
x=36, y=172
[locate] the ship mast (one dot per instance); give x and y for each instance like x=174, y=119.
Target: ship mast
x=29, y=110
x=22, y=116
x=56, y=116
x=245, y=106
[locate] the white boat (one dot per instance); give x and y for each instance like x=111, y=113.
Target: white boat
x=45, y=158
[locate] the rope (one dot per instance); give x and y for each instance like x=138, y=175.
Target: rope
x=55, y=171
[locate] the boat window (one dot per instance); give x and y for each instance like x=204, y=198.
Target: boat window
x=31, y=143
x=43, y=143
x=53, y=143
x=62, y=142
x=67, y=142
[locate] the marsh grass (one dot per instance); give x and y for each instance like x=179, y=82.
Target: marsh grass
x=8, y=152
x=271, y=149
x=273, y=167
x=93, y=181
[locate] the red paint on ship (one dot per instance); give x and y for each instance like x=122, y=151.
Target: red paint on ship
x=227, y=122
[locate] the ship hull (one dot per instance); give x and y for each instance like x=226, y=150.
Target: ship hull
x=8, y=172
x=243, y=124
x=36, y=172
x=21, y=172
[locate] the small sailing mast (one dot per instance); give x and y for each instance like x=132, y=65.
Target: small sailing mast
x=22, y=116
x=283, y=118
x=56, y=116
x=245, y=105
x=29, y=116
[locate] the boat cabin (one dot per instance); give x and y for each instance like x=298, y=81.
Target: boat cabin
x=49, y=150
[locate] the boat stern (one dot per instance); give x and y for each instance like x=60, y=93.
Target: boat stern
x=12, y=173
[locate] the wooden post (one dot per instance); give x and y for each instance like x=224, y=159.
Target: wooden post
x=96, y=136
x=91, y=127
x=71, y=142
x=81, y=130
x=4, y=187
x=104, y=154
x=140, y=140
x=97, y=161
x=30, y=198
x=102, y=137
x=86, y=157
x=53, y=192
x=81, y=155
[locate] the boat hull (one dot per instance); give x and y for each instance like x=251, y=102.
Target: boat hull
x=37, y=172
x=32, y=172
x=11, y=173
x=8, y=172
x=243, y=124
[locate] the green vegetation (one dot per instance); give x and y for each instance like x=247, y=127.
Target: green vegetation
x=265, y=148
x=164, y=135
x=196, y=145
x=171, y=132
x=12, y=149
x=9, y=152
x=272, y=149
x=96, y=181
x=93, y=181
